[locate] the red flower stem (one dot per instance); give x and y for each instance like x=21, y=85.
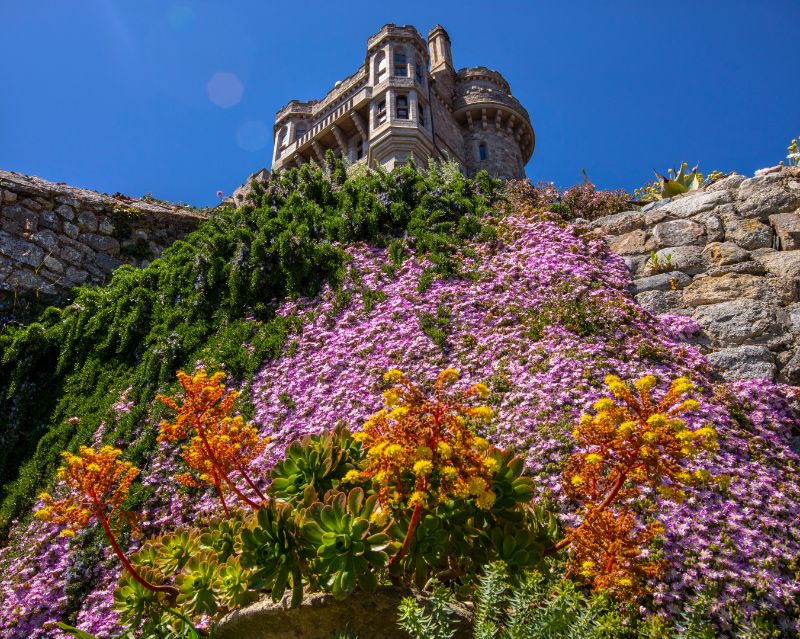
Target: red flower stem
x=412, y=527
x=252, y=485
x=170, y=591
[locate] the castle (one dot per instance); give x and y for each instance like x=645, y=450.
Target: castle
x=408, y=100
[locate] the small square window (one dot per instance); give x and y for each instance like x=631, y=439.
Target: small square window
x=402, y=107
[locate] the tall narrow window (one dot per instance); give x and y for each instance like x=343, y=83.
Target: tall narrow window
x=402, y=107
x=380, y=115
x=283, y=140
x=380, y=67
x=299, y=131
x=421, y=114
x=483, y=153
x=418, y=69
x=400, y=64
x=360, y=149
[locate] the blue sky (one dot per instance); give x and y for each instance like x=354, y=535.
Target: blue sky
x=177, y=98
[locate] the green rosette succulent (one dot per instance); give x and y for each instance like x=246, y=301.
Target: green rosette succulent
x=234, y=585
x=512, y=491
x=175, y=550
x=272, y=548
x=198, y=585
x=135, y=603
x=316, y=461
x=221, y=537
x=430, y=547
x=348, y=550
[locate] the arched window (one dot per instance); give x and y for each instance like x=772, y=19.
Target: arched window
x=483, y=152
x=400, y=64
x=380, y=67
x=402, y=107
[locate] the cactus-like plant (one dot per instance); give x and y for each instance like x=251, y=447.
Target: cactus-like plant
x=221, y=537
x=677, y=182
x=198, y=584
x=319, y=461
x=233, y=585
x=175, y=550
x=134, y=602
x=348, y=547
x=273, y=549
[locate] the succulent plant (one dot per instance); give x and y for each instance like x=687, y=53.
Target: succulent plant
x=134, y=602
x=234, y=585
x=429, y=550
x=348, y=549
x=512, y=490
x=221, y=537
x=273, y=549
x=319, y=461
x=175, y=549
x=198, y=584
x=679, y=181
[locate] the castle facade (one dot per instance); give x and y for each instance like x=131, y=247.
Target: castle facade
x=408, y=100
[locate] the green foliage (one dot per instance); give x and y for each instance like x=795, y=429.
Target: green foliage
x=348, y=546
x=273, y=549
x=656, y=265
x=435, y=326
x=198, y=585
x=436, y=624
x=315, y=461
x=210, y=297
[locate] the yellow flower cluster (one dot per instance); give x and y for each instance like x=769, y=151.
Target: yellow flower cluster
x=631, y=442
x=429, y=436
x=96, y=481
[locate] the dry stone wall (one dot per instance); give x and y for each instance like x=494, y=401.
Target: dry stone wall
x=728, y=256
x=54, y=237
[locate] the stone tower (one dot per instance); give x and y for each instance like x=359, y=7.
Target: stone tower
x=407, y=100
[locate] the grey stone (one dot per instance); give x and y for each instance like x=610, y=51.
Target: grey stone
x=660, y=302
x=102, y=243
x=787, y=228
x=695, y=202
x=748, y=233
x=731, y=182
x=46, y=239
x=738, y=321
x=791, y=373
x=107, y=263
x=87, y=221
x=688, y=259
x=744, y=362
x=793, y=312
x=321, y=616
x=105, y=226
x=651, y=218
x=671, y=281
x=76, y=275
x=66, y=212
x=632, y=243
x=767, y=195
x=780, y=263
x=9, y=196
x=731, y=286
x=619, y=223
x=17, y=219
x=69, y=254
x=770, y=169
x=721, y=253
x=27, y=280
x=53, y=264
x=33, y=204
x=678, y=233
x=748, y=267
x=49, y=220
x=715, y=231
x=20, y=250
x=70, y=230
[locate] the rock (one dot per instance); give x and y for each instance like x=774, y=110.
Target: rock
x=749, y=267
x=49, y=220
x=87, y=221
x=102, y=243
x=619, y=223
x=671, y=281
x=632, y=243
x=738, y=321
x=9, y=196
x=678, y=233
x=27, y=280
x=46, y=239
x=107, y=262
x=17, y=219
x=744, y=362
x=770, y=169
x=791, y=373
x=76, y=275
x=732, y=286
x=721, y=253
x=695, y=202
x=766, y=195
x=66, y=212
x=70, y=230
x=53, y=264
x=787, y=228
x=793, y=312
x=320, y=616
x=715, y=231
x=748, y=233
x=688, y=259
x=71, y=255
x=731, y=182
x=660, y=302
x=780, y=263
x=105, y=226
x=20, y=250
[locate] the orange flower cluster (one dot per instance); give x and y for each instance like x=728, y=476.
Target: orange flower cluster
x=627, y=445
x=219, y=445
x=420, y=449
x=96, y=481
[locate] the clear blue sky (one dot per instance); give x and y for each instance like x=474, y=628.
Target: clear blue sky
x=117, y=95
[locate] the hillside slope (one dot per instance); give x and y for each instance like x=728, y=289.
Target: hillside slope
x=307, y=298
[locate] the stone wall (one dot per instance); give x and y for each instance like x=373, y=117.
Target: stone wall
x=728, y=256
x=54, y=237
